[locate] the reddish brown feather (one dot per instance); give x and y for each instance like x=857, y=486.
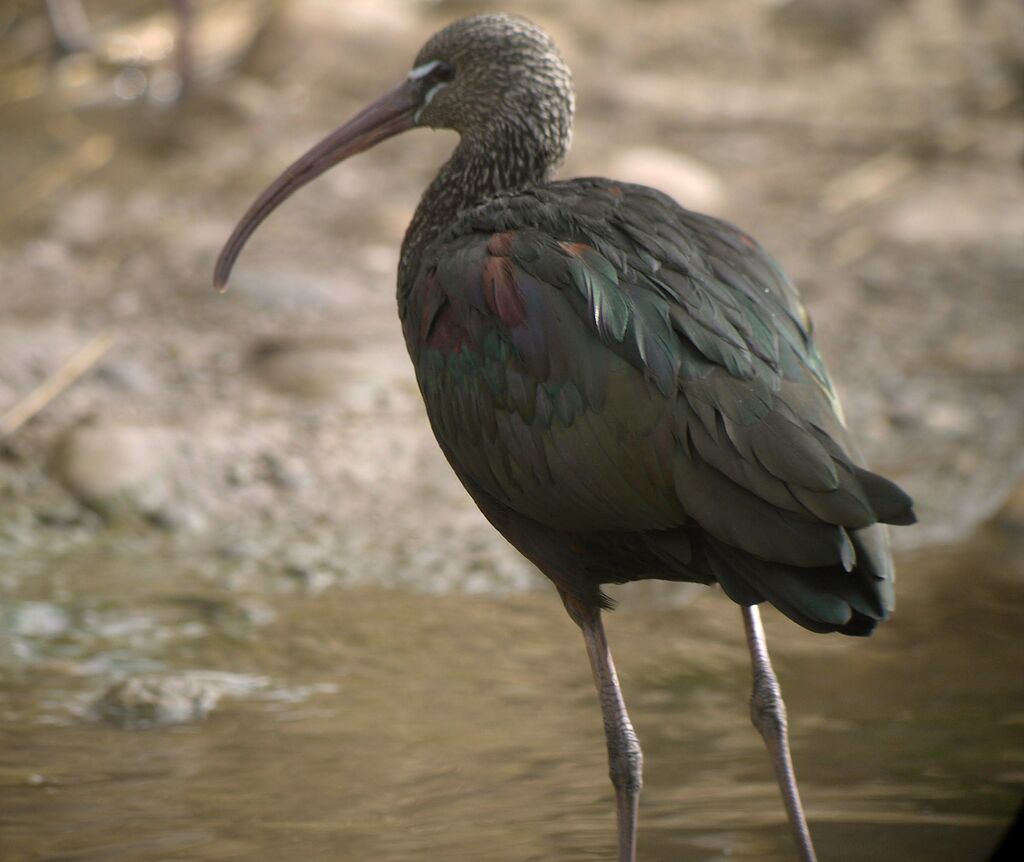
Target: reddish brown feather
x=501, y=292
x=440, y=328
x=431, y=302
x=500, y=244
x=447, y=333
x=576, y=249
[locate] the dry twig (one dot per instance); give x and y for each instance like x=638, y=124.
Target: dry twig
x=74, y=367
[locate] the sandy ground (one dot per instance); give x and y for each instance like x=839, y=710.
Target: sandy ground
x=874, y=147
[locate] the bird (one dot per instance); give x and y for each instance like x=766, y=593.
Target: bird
x=627, y=389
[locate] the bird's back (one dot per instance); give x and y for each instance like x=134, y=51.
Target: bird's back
x=630, y=390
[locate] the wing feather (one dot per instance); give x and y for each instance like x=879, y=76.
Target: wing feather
x=637, y=367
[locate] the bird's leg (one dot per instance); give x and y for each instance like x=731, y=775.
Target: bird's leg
x=768, y=713
x=183, y=48
x=71, y=30
x=625, y=760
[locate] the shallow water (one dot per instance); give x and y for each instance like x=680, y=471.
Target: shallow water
x=360, y=724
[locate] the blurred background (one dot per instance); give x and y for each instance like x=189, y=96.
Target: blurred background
x=246, y=611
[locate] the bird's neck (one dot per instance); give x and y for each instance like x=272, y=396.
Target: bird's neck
x=479, y=169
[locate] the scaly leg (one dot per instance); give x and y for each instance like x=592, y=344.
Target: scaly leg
x=625, y=760
x=768, y=713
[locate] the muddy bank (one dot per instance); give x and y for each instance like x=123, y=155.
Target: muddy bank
x=282, y=418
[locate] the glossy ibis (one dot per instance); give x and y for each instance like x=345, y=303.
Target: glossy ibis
x=627, y=389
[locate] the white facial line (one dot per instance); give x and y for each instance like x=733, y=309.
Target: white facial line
x=433, y=91
x=424, y=70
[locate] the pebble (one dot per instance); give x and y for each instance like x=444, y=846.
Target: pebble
x=165, y=699
x=309, y=580
x=281, y=471
x=39, y=620
x=308, y=371
x=64, y=513
x=110, y=466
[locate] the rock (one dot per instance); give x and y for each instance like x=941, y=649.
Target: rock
x=174, y=518
x=308, y=370
x=309, y=580
x=112, y=467
x=64, y=513
x=282, y=472
x=152, y=701
x=38, y=620
x=692, y=184
x=165, y=699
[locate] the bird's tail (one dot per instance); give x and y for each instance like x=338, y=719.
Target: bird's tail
x=823, y=598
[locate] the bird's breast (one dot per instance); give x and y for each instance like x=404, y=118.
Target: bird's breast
x=533, y=409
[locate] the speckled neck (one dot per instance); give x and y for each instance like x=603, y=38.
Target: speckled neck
x=507, y=160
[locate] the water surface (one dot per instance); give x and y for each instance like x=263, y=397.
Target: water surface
x=366, y=723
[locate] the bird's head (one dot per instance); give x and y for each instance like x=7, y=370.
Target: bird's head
x=491, y=72
x=480, y=76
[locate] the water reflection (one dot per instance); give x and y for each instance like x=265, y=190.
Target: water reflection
x=395, y=726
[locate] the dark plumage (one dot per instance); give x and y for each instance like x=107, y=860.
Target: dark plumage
x=626, y=388
x=641, y=380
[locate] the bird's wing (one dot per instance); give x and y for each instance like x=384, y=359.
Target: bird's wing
x=596, y=357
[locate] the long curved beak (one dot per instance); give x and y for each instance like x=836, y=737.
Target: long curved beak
x=392, y=113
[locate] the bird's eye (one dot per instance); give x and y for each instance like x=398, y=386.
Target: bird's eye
x=435, y=72
x=443, y=73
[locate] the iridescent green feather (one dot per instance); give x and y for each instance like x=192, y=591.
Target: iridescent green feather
x=662, y=386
